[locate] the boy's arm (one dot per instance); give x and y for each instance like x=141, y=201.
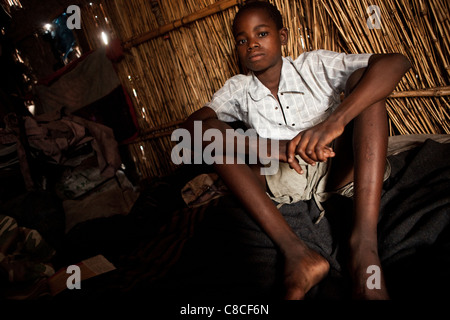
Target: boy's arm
x=380, y=78
x=205, y=115
x=209, y=120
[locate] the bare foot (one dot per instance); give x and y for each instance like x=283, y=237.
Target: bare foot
x=302, y=272
x=367, y=275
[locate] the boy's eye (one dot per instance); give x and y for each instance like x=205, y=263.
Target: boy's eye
x=241, y=42
x=263, y=34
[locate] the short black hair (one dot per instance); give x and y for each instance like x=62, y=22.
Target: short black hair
x=271, y=10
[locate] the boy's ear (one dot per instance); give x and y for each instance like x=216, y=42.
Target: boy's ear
x=284, y=35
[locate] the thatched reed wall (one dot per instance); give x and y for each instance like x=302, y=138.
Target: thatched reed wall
x=179, y=52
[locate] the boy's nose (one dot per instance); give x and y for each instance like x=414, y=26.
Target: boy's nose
x=252, y=45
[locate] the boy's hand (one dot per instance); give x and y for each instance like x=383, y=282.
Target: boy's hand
x=312, y=144
x=282, y=150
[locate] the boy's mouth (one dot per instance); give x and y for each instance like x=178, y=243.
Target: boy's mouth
x=255, y=56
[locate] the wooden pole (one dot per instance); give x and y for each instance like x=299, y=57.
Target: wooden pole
x=152, y=133
x=163, y=127
x=207, y=11
x=432, y=92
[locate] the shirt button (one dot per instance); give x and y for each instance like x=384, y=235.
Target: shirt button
x=293, y=124
x=287, y=107
x=280, y=124
x=276, y=108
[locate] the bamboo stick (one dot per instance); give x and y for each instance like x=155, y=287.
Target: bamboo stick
x=432, y=92
x=163, y=127
x=214, y=8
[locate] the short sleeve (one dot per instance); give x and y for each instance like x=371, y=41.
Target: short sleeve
x=229, y=101
x=337, y=67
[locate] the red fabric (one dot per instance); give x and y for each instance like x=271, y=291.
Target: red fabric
x=56, y=75
x=90, y=90
x=114, y=52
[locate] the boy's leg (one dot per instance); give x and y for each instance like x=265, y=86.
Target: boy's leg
x=303, y=267
x=365, y=140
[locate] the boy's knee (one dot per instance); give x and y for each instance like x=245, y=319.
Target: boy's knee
x=353, y=80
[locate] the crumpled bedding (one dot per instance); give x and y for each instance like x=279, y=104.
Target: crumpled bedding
x=52, y=135
x=112, y=197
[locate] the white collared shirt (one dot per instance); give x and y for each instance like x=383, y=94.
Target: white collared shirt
x=308, y=92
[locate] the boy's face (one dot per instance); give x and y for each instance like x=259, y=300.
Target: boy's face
x=259, y=41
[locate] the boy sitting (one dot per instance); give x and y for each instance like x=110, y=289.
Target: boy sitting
x=297, y=103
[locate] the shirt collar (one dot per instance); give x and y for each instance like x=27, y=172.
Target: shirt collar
x=258, y=91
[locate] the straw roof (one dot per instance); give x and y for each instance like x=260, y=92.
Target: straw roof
x=179, y=52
